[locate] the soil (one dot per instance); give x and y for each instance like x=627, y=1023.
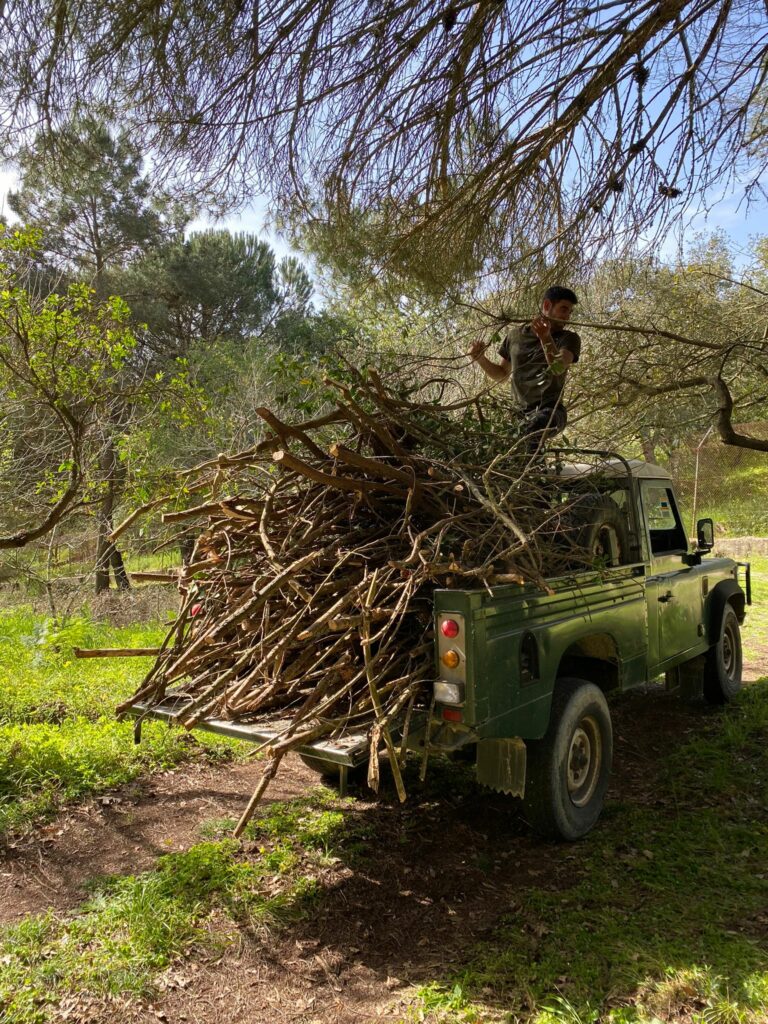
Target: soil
x=454, y=864
x=757, y=666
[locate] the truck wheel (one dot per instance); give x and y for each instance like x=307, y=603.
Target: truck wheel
x=597, y=527
x=567, y=771
x=722, y=667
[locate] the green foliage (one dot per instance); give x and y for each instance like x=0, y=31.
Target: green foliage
x=213, y=286
x=58, y=739
x=84, y=188
x=62, y=361
x=43, y=765
x=45, y=683
x=666, y=332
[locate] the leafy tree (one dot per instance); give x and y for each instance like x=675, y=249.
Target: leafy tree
x=212, y=286
x=85, y=187
x=671, y=350
x=61, y=358
x=67, y=373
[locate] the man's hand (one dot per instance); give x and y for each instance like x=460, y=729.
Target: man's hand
x=476, y=353
x=477, y=348
x=543, y=330
x=558, y=360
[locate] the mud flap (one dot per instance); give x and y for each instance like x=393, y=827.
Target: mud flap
x=687, y=680
x=501, y=765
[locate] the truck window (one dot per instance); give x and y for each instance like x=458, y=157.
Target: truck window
x=664, y=525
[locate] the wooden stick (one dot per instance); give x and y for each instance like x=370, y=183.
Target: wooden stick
x=284, y=430
x=383, y=728
x=268, y=774
x=341, y=483
x=116, y=652
x=156, y=577
x=135, y=515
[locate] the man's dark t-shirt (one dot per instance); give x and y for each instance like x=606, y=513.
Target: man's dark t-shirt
x=533, y=383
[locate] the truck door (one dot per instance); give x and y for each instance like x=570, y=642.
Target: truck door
x=675, y=629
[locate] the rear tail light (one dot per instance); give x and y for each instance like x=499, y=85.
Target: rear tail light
x=449, y=628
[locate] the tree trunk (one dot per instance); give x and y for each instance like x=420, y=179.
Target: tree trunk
x=646, y=440
x=118, y=569
x=107, y=555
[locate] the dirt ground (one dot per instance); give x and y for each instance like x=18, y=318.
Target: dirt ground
x=757, y=666
x=454, y=866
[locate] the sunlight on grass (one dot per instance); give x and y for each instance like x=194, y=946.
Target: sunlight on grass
x=133, y=927
x=755, y=631
x=44, y=682
x=59, y=739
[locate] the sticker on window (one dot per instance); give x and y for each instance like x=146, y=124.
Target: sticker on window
x=658, y=509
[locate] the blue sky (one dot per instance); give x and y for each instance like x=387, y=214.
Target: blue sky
x=739, y=221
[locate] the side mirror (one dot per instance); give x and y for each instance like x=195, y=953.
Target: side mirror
x=705, y=535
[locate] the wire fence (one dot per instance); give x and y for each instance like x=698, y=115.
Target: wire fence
x=726, y=483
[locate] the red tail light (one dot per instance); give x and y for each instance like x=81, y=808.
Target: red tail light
x=449, y=628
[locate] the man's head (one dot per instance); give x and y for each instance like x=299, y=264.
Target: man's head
x=557, y=304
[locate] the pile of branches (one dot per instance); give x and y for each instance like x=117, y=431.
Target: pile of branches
x=308, y=597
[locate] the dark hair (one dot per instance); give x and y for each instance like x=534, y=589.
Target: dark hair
x=557, y=294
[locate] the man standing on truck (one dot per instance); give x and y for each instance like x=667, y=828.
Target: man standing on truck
x=536, y=357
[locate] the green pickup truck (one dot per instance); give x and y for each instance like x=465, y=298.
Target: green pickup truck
x=524, y=673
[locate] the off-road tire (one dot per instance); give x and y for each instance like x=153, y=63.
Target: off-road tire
x=567, y=771
x=723, y=663
x=596, y=531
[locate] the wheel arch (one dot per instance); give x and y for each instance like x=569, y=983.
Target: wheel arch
x=726, y=592
x=595, y=657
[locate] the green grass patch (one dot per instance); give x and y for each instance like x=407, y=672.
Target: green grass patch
x=59, y=739
x=134, y=927
x=43, y=766
x=667, y=918
x=755, y=632
x=42, y=681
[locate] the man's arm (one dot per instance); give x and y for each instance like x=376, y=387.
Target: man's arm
x=493, y=370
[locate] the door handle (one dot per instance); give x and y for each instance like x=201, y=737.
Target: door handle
x=665, y=598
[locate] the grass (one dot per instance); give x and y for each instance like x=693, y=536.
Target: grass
x=667, y=919
x=134, y=927
x=42, y=681
x=59, y=740
x=756, y=626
